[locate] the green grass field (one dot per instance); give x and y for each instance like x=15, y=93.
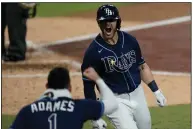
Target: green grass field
x=171, y=117
x=67, y=9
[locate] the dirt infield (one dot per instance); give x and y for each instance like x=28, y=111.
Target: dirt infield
x=165, y=48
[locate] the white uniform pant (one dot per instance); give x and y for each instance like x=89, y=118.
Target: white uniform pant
x=133, y=112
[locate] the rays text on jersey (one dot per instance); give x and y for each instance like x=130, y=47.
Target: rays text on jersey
x=119, y=64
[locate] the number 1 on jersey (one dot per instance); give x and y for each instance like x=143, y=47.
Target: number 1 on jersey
x=52, y=120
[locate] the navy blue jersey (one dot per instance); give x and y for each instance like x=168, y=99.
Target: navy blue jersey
x=61, y=113
x=117, y=64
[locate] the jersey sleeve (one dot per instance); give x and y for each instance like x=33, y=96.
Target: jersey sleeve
x=139, y=56
x=20, y=121
x=89, y=85
x=93, y=109
x=89, y=60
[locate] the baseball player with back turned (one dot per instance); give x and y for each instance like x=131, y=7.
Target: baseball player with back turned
x=56, y=109
x=117, y=58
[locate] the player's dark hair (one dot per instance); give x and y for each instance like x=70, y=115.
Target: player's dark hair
x=58, y=78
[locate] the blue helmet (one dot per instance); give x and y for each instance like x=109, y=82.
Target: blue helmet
x=108, y=12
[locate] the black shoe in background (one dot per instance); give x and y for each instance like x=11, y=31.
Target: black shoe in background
x=9, y=58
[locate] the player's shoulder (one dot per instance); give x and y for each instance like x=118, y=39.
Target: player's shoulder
x=91, y=52
x=128, y=36
x=94, y=45
x=25, y=110
x=84, y=102
x=80, y=101
x=129, y=39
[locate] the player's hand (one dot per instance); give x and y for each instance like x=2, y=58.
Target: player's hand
x=161, y=100
x=91, y=74
x=99, y=124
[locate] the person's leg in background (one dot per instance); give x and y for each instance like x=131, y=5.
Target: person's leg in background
x=16, y=20
x=3, y=26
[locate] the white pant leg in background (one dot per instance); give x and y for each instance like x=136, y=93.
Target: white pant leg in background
x=122, y=118
x=133, y=112
x=142, y=114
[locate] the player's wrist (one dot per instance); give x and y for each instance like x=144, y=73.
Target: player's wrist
x=153, y=86
x=157, y=92
x=99, y=80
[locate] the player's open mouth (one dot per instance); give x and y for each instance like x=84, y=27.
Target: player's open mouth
x=108, y=31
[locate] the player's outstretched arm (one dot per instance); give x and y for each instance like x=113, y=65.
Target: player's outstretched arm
x=107, y=96
x=147, y=77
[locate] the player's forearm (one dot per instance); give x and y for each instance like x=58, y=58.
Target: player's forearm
x=147, y=77
x=146, y=74
x=89, y=91
x=107, y=97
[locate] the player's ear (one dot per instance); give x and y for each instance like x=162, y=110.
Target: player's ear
x=46, y=85
x=70, y=87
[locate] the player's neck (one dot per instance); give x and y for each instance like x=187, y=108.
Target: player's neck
x=58, y=93
x=113, y=40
